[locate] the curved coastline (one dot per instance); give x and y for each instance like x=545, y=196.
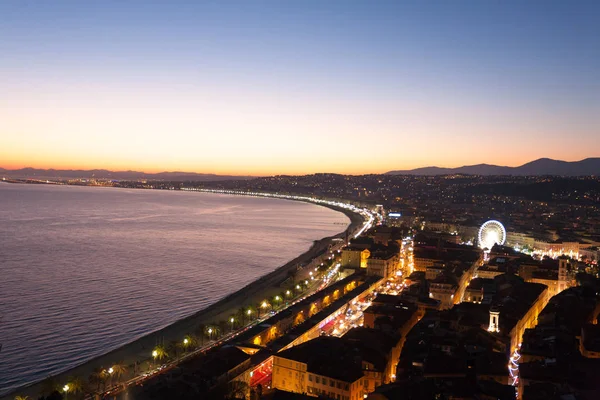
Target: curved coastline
x=254, y=292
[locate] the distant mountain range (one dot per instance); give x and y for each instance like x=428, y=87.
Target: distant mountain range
x=543, y=166
x=33, y=173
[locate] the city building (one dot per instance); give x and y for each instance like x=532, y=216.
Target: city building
x=383, y=263
x=328, y=366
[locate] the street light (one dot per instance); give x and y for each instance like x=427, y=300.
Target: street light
x=154, y=353
x=111, y=370
x=231, y=320
x=210, y=333
x=186, y=341
x=66, y=388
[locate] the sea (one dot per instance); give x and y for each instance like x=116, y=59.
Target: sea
x=84, y=270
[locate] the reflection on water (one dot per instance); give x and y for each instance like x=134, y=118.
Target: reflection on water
x=85, y=270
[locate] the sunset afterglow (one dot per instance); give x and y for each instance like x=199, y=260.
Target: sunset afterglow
x=321, y=87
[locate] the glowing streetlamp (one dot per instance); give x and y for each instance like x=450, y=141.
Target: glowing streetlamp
x=154, y=354
x=210, y=330
x=111, y=370
x=66, y=388
x=232, y=320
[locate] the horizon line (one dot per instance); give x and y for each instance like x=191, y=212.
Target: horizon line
x=276, y=174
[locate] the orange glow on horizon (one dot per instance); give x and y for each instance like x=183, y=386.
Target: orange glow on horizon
x=231, y=171
x=222, y=131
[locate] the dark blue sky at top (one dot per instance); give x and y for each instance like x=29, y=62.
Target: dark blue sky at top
x=523, y=40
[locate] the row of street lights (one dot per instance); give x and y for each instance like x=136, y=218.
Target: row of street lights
x=159, y=353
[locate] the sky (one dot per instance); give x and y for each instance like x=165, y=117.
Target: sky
x=296, y=87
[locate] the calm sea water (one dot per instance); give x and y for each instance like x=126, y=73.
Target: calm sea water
x=84, y=270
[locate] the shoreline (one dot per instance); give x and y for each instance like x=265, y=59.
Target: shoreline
x=252, y=293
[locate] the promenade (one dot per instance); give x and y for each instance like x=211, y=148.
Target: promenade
x=138, y=354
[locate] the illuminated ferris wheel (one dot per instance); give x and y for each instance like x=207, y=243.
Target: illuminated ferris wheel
x=491, y=232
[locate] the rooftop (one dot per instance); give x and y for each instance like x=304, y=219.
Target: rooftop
x=334, y=357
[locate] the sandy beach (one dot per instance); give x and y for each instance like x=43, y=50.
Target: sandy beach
x=264, y=287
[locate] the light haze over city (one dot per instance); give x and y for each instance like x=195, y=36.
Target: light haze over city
x=273, y=87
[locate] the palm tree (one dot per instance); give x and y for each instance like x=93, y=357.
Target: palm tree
x=212, y=331
x=201, y=332
x=189, y=341
x=264, y=305
x=22, y=398
x=276, y=301
x=118, y=370
x=74, y=386
x=249, y=312
x=159, y=353
x=96, y=378
x=232, y=321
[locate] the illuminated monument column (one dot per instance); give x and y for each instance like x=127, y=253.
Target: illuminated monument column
x=364, y=256
x=563, y=263
x=494, y=319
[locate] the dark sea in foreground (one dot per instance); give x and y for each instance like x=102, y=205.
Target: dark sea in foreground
x=85, y=270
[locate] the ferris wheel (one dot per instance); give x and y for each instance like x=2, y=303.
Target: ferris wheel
x=491, y=232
